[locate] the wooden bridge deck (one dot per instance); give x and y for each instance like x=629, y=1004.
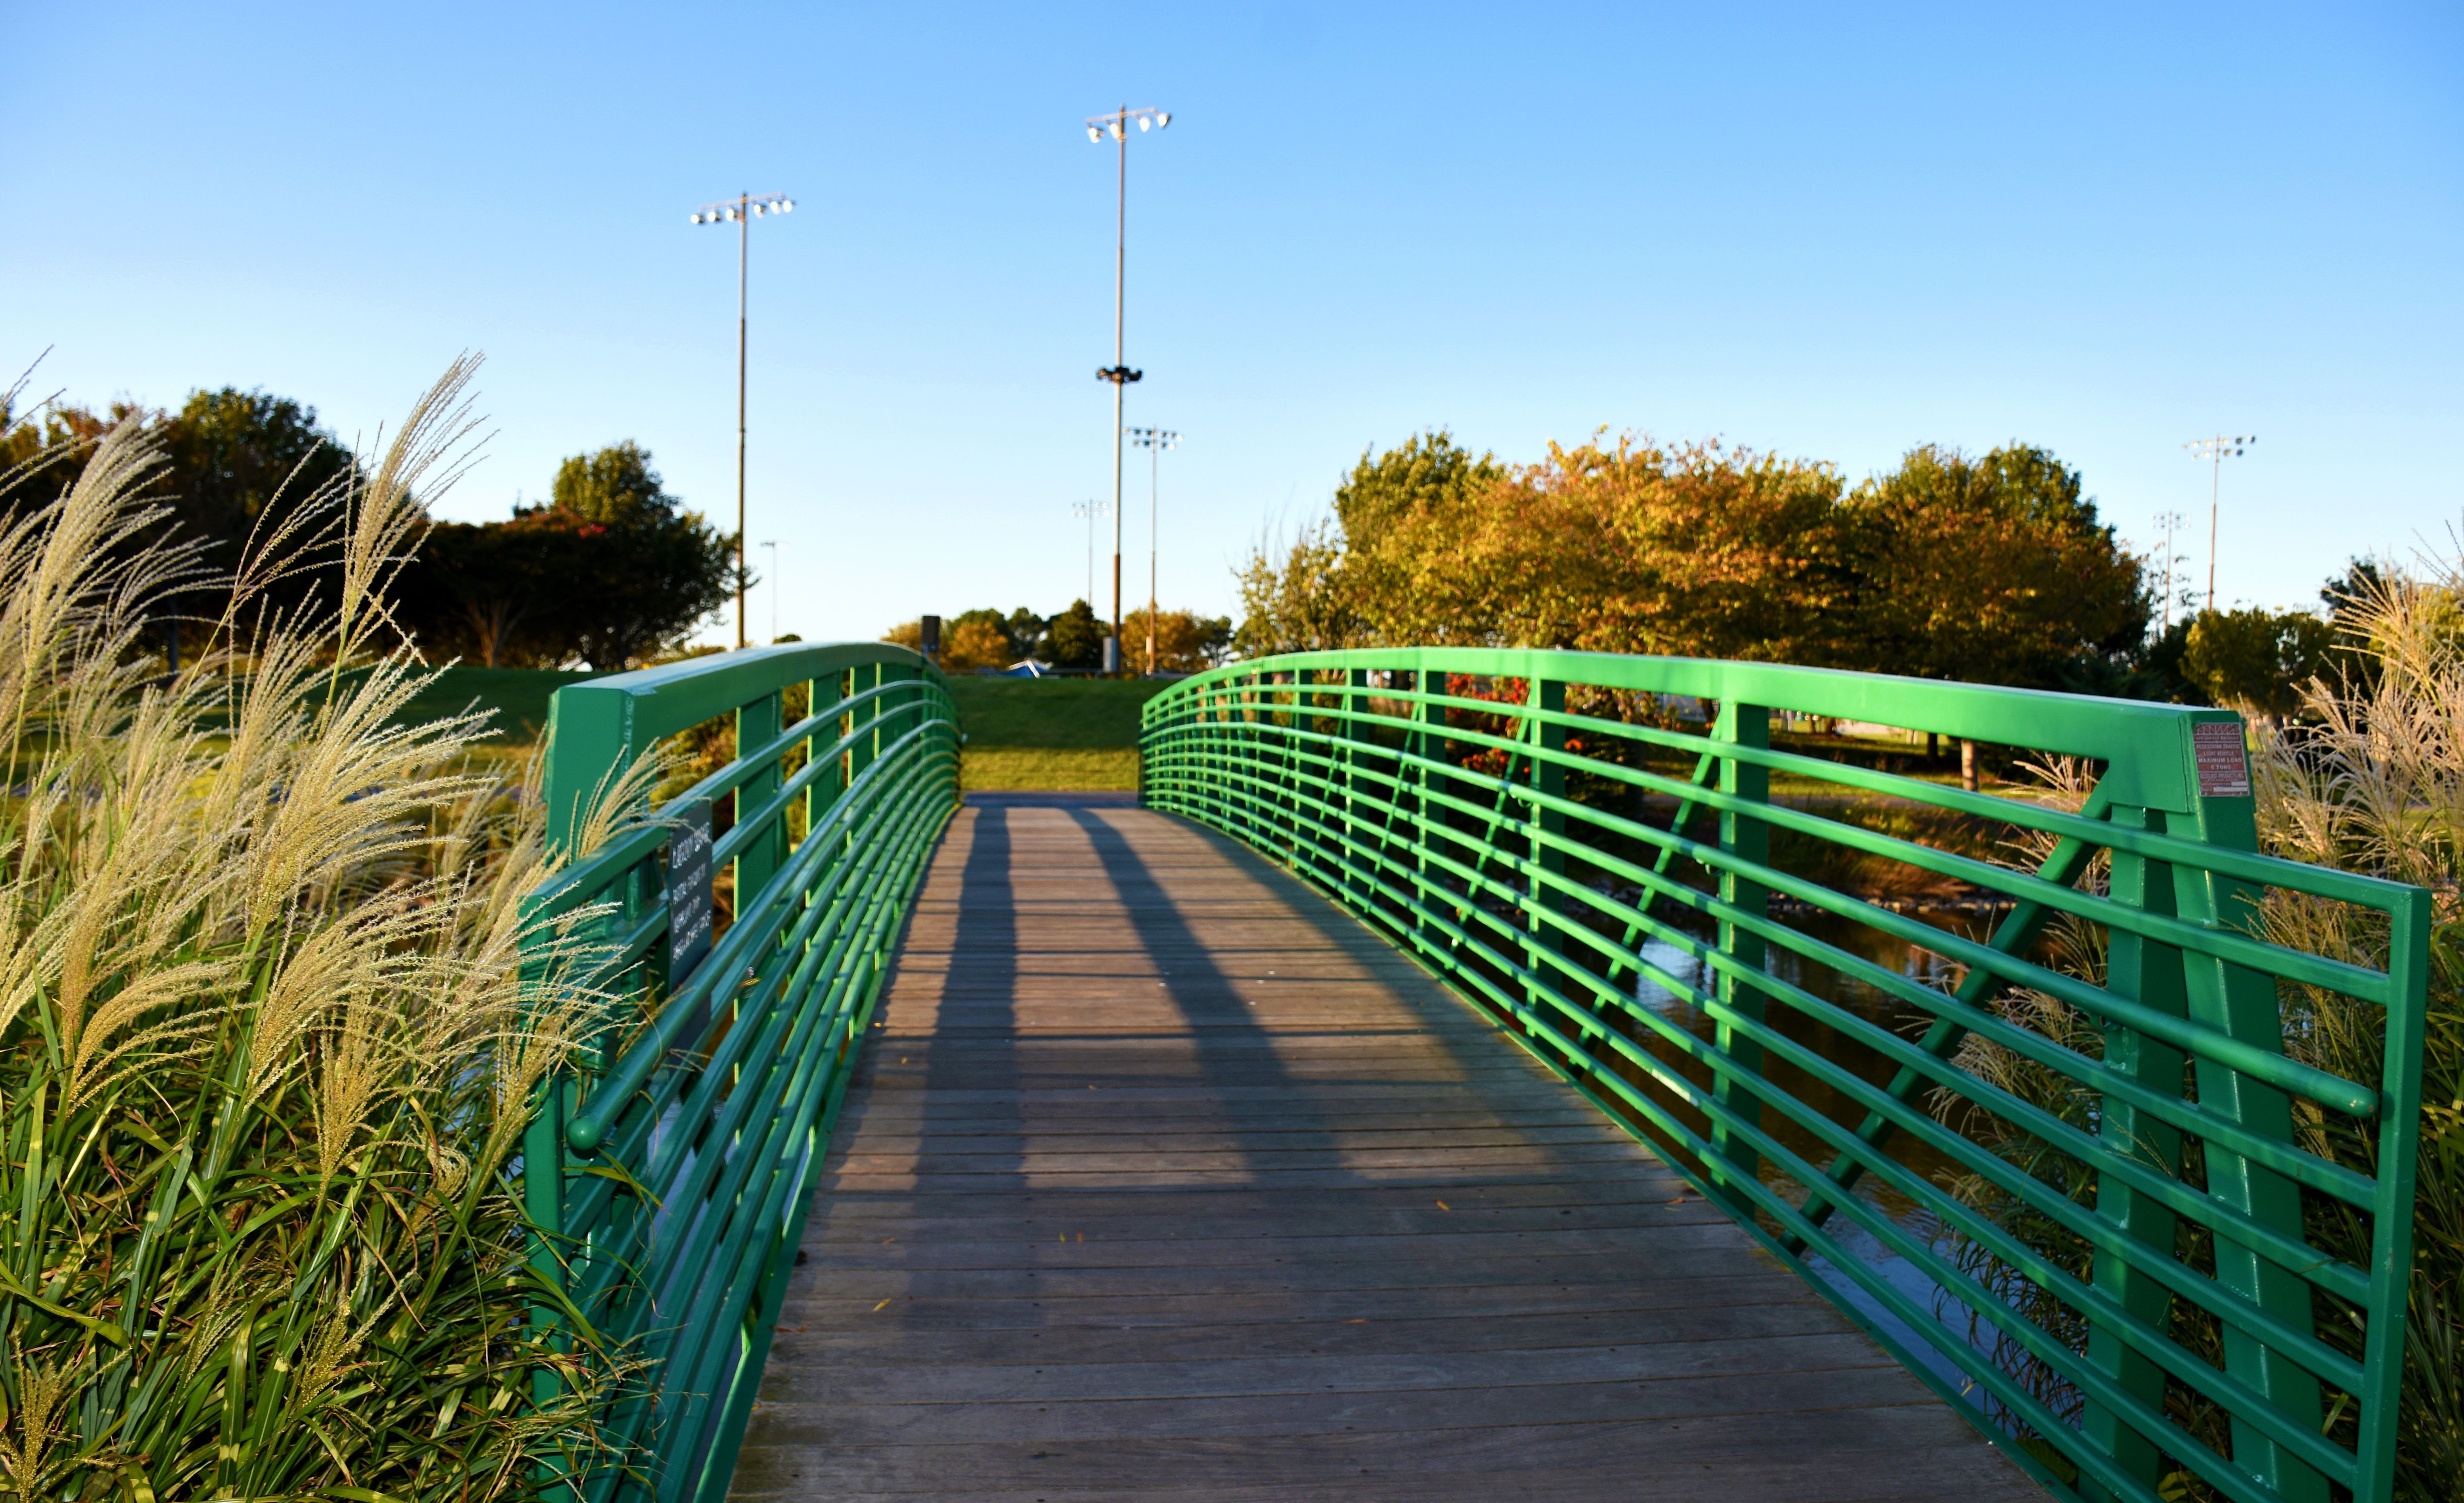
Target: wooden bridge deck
x=1166, y=1179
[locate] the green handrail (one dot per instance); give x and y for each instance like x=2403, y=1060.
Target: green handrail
x=1428, y=790
x=666, y=1177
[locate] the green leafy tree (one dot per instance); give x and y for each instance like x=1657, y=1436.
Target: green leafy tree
x=234, y=466
x=1075, y=639
x=1185, y=641
x=978, y=638
x=974, y=639
x=1026, y=630
x=244, y=461
x=650, y=587
x=1696, y=551
x=2257, y=659
x=1994, y=569
x=486, y=593
x=612, y=572
x=1304, y=602
x=1989, y=570
x=1405, y=516
x=614, y=486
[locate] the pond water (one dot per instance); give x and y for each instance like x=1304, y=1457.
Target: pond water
x=1876, y=1007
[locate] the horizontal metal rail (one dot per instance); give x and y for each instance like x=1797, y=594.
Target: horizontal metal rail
x=666, y=1178
x=1549, y=833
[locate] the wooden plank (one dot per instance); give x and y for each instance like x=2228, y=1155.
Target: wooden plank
x=1489, y=1371
x=1160, y=1177
x=1745, y=1311
x=1552, y=1248
x=1607, y=1273
x=1917, y=1452
x=1304, y=1309
x=1171, y=1204
x=1111, y=1221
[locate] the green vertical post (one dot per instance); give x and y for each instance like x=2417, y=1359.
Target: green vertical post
x=2242, y=1002
x=824, y=697
x=1287, y=792
x=1547, y=826
x=1749, y=839
x=862, y=751
x=757, y=725
x=1430, y=743
x=1206, y=746
x=1334, y=782
x=589, y=741
x=1356, y=706
x=1267, y=780
x=1250, y=775
x=2149, y=973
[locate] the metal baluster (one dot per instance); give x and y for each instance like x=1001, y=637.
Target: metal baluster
x=1746, y=839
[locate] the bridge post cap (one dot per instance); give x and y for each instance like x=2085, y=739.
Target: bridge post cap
x=582, y=1134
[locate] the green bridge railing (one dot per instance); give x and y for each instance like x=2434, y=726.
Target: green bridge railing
x=667, y=1176
x=2179, y=1253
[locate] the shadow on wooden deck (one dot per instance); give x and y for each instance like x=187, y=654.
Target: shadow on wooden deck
x=1164, y=1178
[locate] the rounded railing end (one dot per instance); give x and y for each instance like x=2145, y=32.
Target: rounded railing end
x=582, y=1134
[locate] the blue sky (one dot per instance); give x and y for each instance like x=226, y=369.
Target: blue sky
x=1829, y=232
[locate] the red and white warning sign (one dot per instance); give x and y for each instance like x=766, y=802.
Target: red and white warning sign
x=2223, y=765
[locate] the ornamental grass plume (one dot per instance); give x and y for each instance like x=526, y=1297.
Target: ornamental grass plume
x=265, y=1050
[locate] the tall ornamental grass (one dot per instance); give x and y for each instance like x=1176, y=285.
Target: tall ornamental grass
x=265, y=1052
x=2370, y=778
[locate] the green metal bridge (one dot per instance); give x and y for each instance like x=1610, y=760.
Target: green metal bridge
x=1461, y=1070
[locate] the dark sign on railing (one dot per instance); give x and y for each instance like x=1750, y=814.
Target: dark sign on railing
x=689, y=903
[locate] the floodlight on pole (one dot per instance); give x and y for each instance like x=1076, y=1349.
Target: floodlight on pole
x=1155, y=441
x=773, y=545
x=2170, y=522
x=1091, y=509
x=1118, y=372
x=741, y=210
x=2217, y=450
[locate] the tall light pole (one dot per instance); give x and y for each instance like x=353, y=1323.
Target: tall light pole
x=740, y=211
x=772, y=546
x=2171, y=520
x=2217, y=450
x=1118, y=372
x=1091, y=509
x=1154, y=440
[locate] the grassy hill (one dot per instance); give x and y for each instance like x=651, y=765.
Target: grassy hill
x=1052, y=733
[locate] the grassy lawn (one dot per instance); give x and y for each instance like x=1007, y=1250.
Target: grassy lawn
x=1051, y=732
x=1085, y=712
x=1049, y=768
x=519, y=696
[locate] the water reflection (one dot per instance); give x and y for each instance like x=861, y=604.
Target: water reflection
x=1869, y=1003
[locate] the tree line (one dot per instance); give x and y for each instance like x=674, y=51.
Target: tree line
x=1992, y=568
x=610, y=572
x=1185, y=642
